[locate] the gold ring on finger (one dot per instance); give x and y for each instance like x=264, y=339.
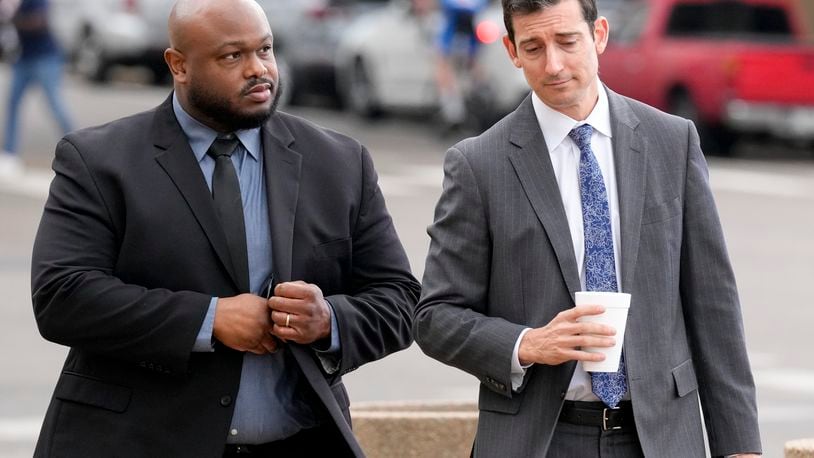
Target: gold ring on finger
x=287, y=320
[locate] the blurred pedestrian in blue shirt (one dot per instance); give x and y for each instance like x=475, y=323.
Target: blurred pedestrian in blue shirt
x=459, y=16
x=41, y=62
x=457, y=44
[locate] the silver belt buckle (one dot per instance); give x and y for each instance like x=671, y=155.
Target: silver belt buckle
x=605, y=419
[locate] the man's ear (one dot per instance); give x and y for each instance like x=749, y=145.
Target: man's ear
x=512, y=50
x=601, y=34
x=177, y=64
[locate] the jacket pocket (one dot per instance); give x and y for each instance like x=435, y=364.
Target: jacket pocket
x=684, y=377
x=490, y=401
x=330, y=265
x=90, y=391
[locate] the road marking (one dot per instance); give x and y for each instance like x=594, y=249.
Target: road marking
x=792, y=413
x=799, y=381
x=411, y=179
x=33, y=183
x=770, y=184
x=19, y=429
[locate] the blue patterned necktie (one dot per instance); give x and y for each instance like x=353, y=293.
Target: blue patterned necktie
x=600, y=265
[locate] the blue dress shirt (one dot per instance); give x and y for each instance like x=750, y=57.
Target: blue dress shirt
x=267, y=408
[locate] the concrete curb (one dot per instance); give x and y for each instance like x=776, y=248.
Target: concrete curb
x=801, y=448
x=415, y=429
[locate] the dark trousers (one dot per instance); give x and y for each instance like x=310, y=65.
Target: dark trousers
x=578, y=441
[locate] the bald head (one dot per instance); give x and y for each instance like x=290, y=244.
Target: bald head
x=187, y=16
x=222, y=62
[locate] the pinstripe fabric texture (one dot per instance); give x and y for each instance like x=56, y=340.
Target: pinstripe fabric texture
x=501, y=260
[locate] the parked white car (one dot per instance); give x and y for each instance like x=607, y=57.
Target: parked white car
x=98, y=34
x=386, y=60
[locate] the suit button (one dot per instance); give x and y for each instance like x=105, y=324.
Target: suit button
x=225, y=401
x=562, y=395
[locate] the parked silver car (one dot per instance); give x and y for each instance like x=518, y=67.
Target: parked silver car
x=385, y=60
x=306, y=33
x=99, y=34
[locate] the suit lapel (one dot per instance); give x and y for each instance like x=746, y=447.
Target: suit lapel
x=178, y=161
x=531, y=162
x=282, y=172
x=631, y=168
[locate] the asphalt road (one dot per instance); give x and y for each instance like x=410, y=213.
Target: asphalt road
x=765, y=198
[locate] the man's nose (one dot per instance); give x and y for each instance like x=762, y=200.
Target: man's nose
x=257, y=66
x=554, y=58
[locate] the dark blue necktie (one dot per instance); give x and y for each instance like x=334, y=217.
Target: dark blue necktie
x=600, y=265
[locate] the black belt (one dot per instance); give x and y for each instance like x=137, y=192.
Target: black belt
x=598, y=414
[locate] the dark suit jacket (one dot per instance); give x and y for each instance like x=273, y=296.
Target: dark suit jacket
x=130, y=251
x=502, y=259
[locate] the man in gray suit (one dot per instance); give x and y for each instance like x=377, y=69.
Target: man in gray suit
x=583, y=189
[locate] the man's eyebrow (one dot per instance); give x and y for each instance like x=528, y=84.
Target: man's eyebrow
x=567, y=34
x=557, y=35
x=238, y=43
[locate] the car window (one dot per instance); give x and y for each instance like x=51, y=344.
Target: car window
x=730, y=19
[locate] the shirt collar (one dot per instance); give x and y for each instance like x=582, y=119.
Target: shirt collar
x=556, y=126
x=200, y=137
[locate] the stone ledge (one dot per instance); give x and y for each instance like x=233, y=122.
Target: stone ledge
x=415, y=429
x=801, y=448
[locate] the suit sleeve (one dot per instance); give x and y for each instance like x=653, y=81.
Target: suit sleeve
x=451, y=322
x=713, y=316
x=376, y=316
x=79, y=302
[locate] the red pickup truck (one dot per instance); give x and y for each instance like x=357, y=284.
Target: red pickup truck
x=732, y=66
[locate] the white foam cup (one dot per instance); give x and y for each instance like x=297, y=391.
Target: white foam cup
x=615, y=314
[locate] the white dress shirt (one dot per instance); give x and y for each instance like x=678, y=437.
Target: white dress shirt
x=564, y=155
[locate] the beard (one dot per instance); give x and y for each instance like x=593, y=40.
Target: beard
x=217, y=108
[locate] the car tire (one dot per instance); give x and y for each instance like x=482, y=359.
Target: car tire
x=90, y=59
x=360, y=93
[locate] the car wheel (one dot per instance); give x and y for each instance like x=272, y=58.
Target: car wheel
x=90, y=59
x=715, y=140
x=361, y=94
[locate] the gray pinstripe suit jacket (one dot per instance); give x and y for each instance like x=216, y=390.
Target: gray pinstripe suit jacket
x=501, y=259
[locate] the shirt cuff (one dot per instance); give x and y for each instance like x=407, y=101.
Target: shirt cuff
x=330, y=357
x=518, y=371
x=204, y=342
